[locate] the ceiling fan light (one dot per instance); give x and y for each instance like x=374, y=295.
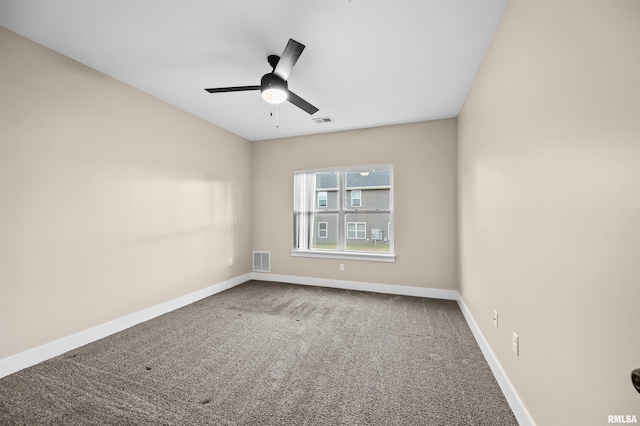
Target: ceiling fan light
x=274, y=95
x=273, y=89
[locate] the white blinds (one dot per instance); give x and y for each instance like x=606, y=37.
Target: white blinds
x=304, y=188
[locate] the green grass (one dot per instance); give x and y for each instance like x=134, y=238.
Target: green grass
x=324, y=246
x=380, y=247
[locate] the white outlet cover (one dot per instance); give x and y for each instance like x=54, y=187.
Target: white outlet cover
x=515, y=343
x=495, y=318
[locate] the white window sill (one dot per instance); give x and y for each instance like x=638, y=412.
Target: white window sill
x=371, y=257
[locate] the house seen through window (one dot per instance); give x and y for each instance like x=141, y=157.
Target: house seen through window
x=344, y=212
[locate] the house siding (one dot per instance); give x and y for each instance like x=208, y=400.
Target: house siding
x=379, y=199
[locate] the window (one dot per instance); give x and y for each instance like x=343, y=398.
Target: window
x=323, y=229
x=335, y=210
x=356, y=198
x=356, y=230
x=322, y=199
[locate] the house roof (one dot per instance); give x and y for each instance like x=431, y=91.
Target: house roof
x=372, y=179
x=327, y=180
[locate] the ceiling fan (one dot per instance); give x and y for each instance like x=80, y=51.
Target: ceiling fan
x=273, y=86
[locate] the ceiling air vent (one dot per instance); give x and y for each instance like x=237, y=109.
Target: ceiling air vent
x=322, y=120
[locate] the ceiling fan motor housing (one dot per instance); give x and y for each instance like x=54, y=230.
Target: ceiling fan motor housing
x=271, y=80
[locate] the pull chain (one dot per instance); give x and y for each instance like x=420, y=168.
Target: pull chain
x=277, y=116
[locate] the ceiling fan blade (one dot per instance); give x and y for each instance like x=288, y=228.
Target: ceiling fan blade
x=232, y=89
x=301, y=103
x=288, y=59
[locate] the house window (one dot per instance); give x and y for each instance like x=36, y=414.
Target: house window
x=322, y=199
x=334, y=210
x=356, y=230
x=356, y=198
x=323, y=231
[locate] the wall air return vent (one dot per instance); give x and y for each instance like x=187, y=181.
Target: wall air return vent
x=322, y=120
x=262, y=261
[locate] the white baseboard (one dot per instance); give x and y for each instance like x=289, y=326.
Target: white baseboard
x=518, y=408
x=360, y=286
x=39, y=354
x=42, y=353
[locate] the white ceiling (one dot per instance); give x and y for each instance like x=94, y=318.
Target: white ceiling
x=367, y=63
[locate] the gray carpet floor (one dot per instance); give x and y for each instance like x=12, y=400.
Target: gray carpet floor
x=271, y=354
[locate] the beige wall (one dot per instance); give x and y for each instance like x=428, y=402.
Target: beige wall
x=424, y=159
x=550, y=205
x=111, y=200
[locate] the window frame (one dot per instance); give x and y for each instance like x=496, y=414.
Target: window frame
x=344, y=209
x=326, y=198
x=326, y=229
x=359, y=198
x=364, y=231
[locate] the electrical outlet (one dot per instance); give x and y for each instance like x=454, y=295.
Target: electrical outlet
x=515, y=343
x=230, y=261
x=495, y=318
x=342, y=267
